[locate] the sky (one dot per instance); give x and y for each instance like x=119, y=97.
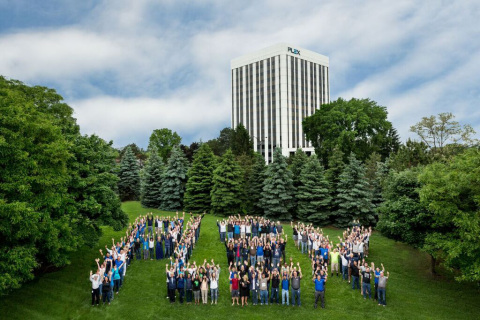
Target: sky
x=129, y=67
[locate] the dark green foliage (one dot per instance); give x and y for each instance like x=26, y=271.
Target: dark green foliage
x=139, y=153
x=451, y=192
x=374, y=178
x=358, y=125
x=313, y=194
x=299, y=160
x=354, y=199
x=255, y=184
x=227, y=186
x=241, y=141
x=129, y=177
x=174, y=180
x=402, y=217
x=190, y=150
x=335, y=169
x=200, y=181
x=94, y=184
x=164, y=140
x=56, y=186
x=246, y=162
x=224, y=141
x=277, y=196
x=152, y=181
x=410, y=155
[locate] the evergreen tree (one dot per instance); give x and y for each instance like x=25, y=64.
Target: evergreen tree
x=227, y=186
x=255, y=184
x=200, y=181
x=313, y=193
x=373, y=176
x=335, y=169
x=129, y=174
x=152, y=181
x=299, y=161
x=174, y=180
x=354, y=199
x=246, y=163
x=278, y=190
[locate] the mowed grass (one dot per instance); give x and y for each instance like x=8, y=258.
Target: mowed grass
x=411, y=292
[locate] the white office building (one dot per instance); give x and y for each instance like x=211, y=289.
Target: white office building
x=273, y=90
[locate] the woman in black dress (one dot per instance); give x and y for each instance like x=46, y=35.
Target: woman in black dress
x=244, y=290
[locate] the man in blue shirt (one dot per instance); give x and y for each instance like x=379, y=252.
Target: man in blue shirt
x=285, y=289
x=319, y=290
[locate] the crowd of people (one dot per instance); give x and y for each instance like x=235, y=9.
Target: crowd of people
x=193, y=281
x=256, y=255
x=346, y=257
x=146, y=238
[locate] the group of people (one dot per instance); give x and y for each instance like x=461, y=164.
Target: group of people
x=348, y=257
x=256, y=282
x=139, y=242
x=193, y=281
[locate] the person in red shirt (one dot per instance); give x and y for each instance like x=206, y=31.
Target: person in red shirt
x=235, y=292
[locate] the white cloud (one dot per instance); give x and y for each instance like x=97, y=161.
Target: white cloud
x=129, y=67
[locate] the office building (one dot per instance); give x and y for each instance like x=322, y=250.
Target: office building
x=273, y=90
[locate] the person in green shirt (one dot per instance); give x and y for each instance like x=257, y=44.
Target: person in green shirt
x=334, y=255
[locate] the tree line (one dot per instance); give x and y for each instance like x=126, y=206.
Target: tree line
x=57, y=187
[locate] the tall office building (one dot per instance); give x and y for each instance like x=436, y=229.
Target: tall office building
x=273, y=90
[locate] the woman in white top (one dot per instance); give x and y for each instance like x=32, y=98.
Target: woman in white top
x=151, y=246
x=214, y=284
x=242, y=230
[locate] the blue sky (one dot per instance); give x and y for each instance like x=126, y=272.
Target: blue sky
x=128, y=67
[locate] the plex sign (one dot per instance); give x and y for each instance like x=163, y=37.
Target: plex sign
x=294, y=51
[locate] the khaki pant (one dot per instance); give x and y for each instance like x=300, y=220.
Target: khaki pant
x=334, y=266
x=204, y=296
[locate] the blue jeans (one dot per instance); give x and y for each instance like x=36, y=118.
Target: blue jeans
x=274, y=294
x=230, y=235
x=264, y=297
x=253, y=260
x=382, y=296
x=345, y=272
x=366, y=288
x=254, y=296
x=355, y=283
x=222, y=236
x=295, y=295
x=214, y=294
x=285, y=296
x=304, y=247
x=276, y=262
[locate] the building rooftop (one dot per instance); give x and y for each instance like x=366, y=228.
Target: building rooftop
x=277, y=49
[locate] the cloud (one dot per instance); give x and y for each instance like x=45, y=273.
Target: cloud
x=128, y=67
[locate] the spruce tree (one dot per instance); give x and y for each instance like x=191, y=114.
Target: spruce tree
x=227, y=186
x=277, y=195
x=152, y=181
x=354, y=199
x=255, y=184
x=335, y=169
x=313, y=193
x=129, y=177
x=299, y=161
x=174, y=180
x=200, y=181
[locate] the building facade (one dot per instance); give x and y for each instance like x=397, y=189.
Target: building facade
x=273, y=90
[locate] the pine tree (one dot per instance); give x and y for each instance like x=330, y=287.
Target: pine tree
x=313, y=193
x=255, y=184
x=299, y=161
x=152, y=181
x=354, y=200
x=227, y=186
x=335, y=169
x=200, y=181
x=174, y=180
x=129, y=177
x=277, y=195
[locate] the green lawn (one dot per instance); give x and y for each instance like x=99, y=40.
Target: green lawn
x=411, y=293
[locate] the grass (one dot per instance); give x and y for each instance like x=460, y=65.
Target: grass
x=411, y=292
